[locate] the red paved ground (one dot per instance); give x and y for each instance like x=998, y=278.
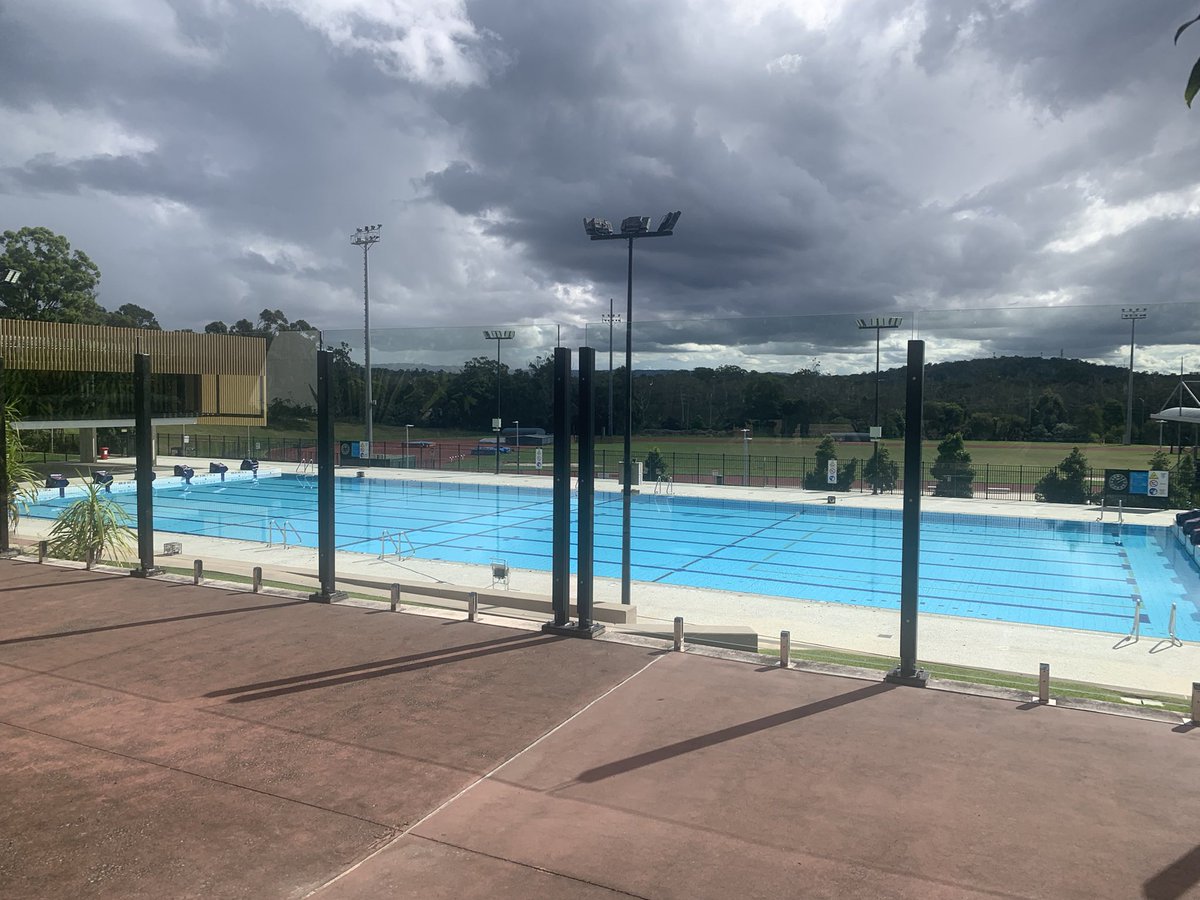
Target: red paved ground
x=168, y=741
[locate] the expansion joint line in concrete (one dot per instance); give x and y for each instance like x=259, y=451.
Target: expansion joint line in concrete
x=191, y=774
x=482, y=778
x=524, y=865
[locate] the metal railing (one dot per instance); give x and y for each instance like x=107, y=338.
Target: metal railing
x=990, y=481
x=282, y=527
x=396, y=540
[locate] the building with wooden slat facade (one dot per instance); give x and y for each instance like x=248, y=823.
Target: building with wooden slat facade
x=62, y=375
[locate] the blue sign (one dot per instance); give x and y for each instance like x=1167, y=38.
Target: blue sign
x=1139, y=482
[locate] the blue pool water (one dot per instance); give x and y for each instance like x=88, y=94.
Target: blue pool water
x=1040, y=572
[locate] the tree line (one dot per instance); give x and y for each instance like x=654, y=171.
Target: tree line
x=1006, y=398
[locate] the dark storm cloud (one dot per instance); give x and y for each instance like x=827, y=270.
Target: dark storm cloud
x=887, y=157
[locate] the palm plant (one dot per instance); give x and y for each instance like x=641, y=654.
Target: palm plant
x=92, y=524
x=21, y=491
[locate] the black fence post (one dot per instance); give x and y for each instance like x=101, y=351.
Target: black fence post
x=910, y=567
x=585, y=552
x=144, y=466
x=561, y=529
x=326, y=525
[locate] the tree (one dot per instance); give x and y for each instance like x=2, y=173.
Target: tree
x=818, y=480
x=1182, y=477
x=270, y=323
x=1193, y=84
x=882, y=471
x=656, y=466
x=56, y=285
x=1067, y=482
x=952, y=469
x=130, y=315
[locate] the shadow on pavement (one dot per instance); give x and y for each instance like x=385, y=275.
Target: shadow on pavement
x=1176, y=879
x=368, y=671
x=650, y=757
x=144, y=622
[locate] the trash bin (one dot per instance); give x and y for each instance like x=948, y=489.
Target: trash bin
x=104, y=453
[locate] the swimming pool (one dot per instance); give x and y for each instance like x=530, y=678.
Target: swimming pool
x=1040, y=572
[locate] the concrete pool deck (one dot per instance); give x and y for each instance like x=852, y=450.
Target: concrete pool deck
x=1148, y=665
x=165, y=740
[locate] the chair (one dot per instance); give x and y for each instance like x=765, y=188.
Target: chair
x=499, y=573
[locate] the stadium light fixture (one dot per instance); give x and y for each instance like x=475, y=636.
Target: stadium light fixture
x=632, y=227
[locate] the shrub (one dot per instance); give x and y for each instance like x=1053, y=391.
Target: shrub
x=1066, y=482
x=816, y=480
x=952, y=469
x=92, y=523
x=882, y=471
x=655, y=466
x=20, y=477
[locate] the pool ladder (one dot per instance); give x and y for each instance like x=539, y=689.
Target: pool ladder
x=307, y=473
x=396, y=540
x=665, y=486
x=1120, y=520
x=282, y=527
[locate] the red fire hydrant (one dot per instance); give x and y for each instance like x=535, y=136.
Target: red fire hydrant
x=104, y=453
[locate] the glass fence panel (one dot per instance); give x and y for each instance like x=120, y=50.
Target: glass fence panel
x=769, y=490
x=216, y=463
x=1061, y=433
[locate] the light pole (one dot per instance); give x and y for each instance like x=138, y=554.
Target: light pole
x=610, y=318
x=632, y=228
x=878, y=323
x=498, y=336
x=406, y=427
x=1132, y=313
x=746, y=448
x=366, y=237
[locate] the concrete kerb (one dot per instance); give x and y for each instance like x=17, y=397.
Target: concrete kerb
x=764, y=662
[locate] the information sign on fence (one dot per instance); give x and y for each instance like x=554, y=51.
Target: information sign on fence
x=1136, y=482
x=831, y=472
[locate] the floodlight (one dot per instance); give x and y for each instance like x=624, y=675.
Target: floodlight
x=635, y=225
x=494, y=335
x=667, y=225
x=1133, y=312
x=12, y=276
x=597, y=226
x=881, y=322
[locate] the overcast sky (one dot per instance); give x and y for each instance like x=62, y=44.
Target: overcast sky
x=214, y=157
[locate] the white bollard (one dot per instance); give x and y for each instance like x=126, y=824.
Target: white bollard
x=679, y=633
x=395, y=596
x=1171, y=635
x=785, y=649
x=256, y=579
x=472, y=606
x=197, y=571
x=1044, y=683
x=43, y=550
x=1136, y=634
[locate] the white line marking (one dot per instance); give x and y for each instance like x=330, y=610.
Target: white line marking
x=485, y=777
